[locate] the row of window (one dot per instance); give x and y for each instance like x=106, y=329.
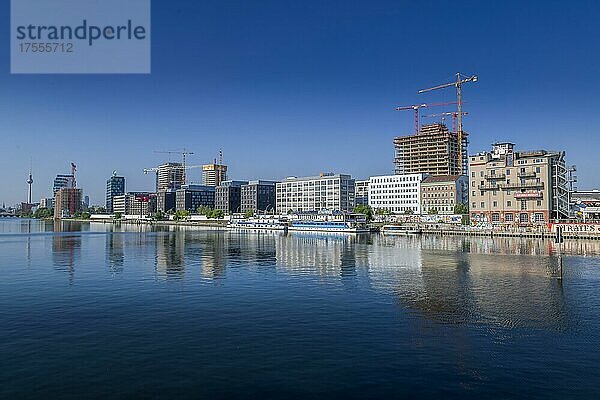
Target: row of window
x=524, y=218
x=538, y=203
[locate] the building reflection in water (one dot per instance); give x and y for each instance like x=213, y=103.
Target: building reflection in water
x=466, y=281
x=317, y=253
x=115, y=250
x=66, y=247
x=169, y=259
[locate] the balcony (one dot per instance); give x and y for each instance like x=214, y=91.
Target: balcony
x=488, y=187
x=527, y=185
x=495, y=177
x=530, y=174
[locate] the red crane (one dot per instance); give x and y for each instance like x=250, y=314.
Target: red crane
x=73, y=184
x=460, y=80
x=416, y=108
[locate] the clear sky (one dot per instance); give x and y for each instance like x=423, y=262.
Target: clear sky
x=295, y=88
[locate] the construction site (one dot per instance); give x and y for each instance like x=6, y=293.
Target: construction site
x=433, y=148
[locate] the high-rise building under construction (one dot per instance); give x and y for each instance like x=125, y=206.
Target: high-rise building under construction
x=169, y=176
x=433, y=150
x=213, y=174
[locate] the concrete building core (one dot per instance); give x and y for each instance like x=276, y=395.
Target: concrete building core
x=434, y=150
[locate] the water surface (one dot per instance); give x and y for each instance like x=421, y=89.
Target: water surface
x=102, y=311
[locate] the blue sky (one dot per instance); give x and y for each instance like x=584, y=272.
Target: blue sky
x=295, y=88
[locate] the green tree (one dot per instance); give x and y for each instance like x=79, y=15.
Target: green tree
x=461, y=208
x=432, y=211
x=118, y=216
x=204, y=210
x=382, y=211
x=216, y=214
x=249, y=214
x=159, y=216
x=181, y=215
x=43, y=212
x=364, y=209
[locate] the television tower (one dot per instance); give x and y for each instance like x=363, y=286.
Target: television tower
x=29, y=182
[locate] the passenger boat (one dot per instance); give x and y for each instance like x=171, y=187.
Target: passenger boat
x=400, y=230
x=267, y=224
x=327, y=226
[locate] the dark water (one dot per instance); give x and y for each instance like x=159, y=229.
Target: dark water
x=96, y=311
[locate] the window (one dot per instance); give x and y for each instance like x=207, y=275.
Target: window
x=523, y=204
x=495, y=217
x=474, y=205
x=473, y=174
x=482, y=204
x=537, y=169
x=508, y=172
x=523, y=218
x=539, y=203
x=509, y=217
x=495, y=204
x=538, y=217
x=509, y=203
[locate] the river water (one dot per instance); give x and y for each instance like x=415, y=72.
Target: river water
x=101, y=311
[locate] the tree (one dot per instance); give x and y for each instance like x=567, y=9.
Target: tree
x=43, y=212
x=382, y=211
x=159, y=216
x=181, y=215
x=204, y=210
x=461, y=208
x=118, y=216
x=432, y=211
x=216, y=214
x=249, y=214
x=364, y=209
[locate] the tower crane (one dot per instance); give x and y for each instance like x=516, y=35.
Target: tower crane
x=416, y=107
x=183, y=152
x=453, y=114
x=460, y=80
x=72, y=192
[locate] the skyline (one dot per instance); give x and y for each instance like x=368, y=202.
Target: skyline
x=311, y=92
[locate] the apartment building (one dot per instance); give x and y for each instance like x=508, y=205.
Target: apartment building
x=327, y=191
x=67, y=202
x=517, y=187
x=398, y=194
x=441, y=193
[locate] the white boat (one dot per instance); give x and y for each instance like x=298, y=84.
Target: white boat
x=267, y=224
x=327, y=226
x=400, y=230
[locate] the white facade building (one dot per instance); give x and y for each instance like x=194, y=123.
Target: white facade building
x=315, y=193
x=361, y=192
x=398, y=194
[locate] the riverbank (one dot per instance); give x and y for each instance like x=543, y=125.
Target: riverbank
x=537, y=232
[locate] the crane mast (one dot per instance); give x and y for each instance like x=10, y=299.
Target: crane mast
x=460, y=80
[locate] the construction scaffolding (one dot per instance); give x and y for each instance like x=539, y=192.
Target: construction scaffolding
x=433, y=150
